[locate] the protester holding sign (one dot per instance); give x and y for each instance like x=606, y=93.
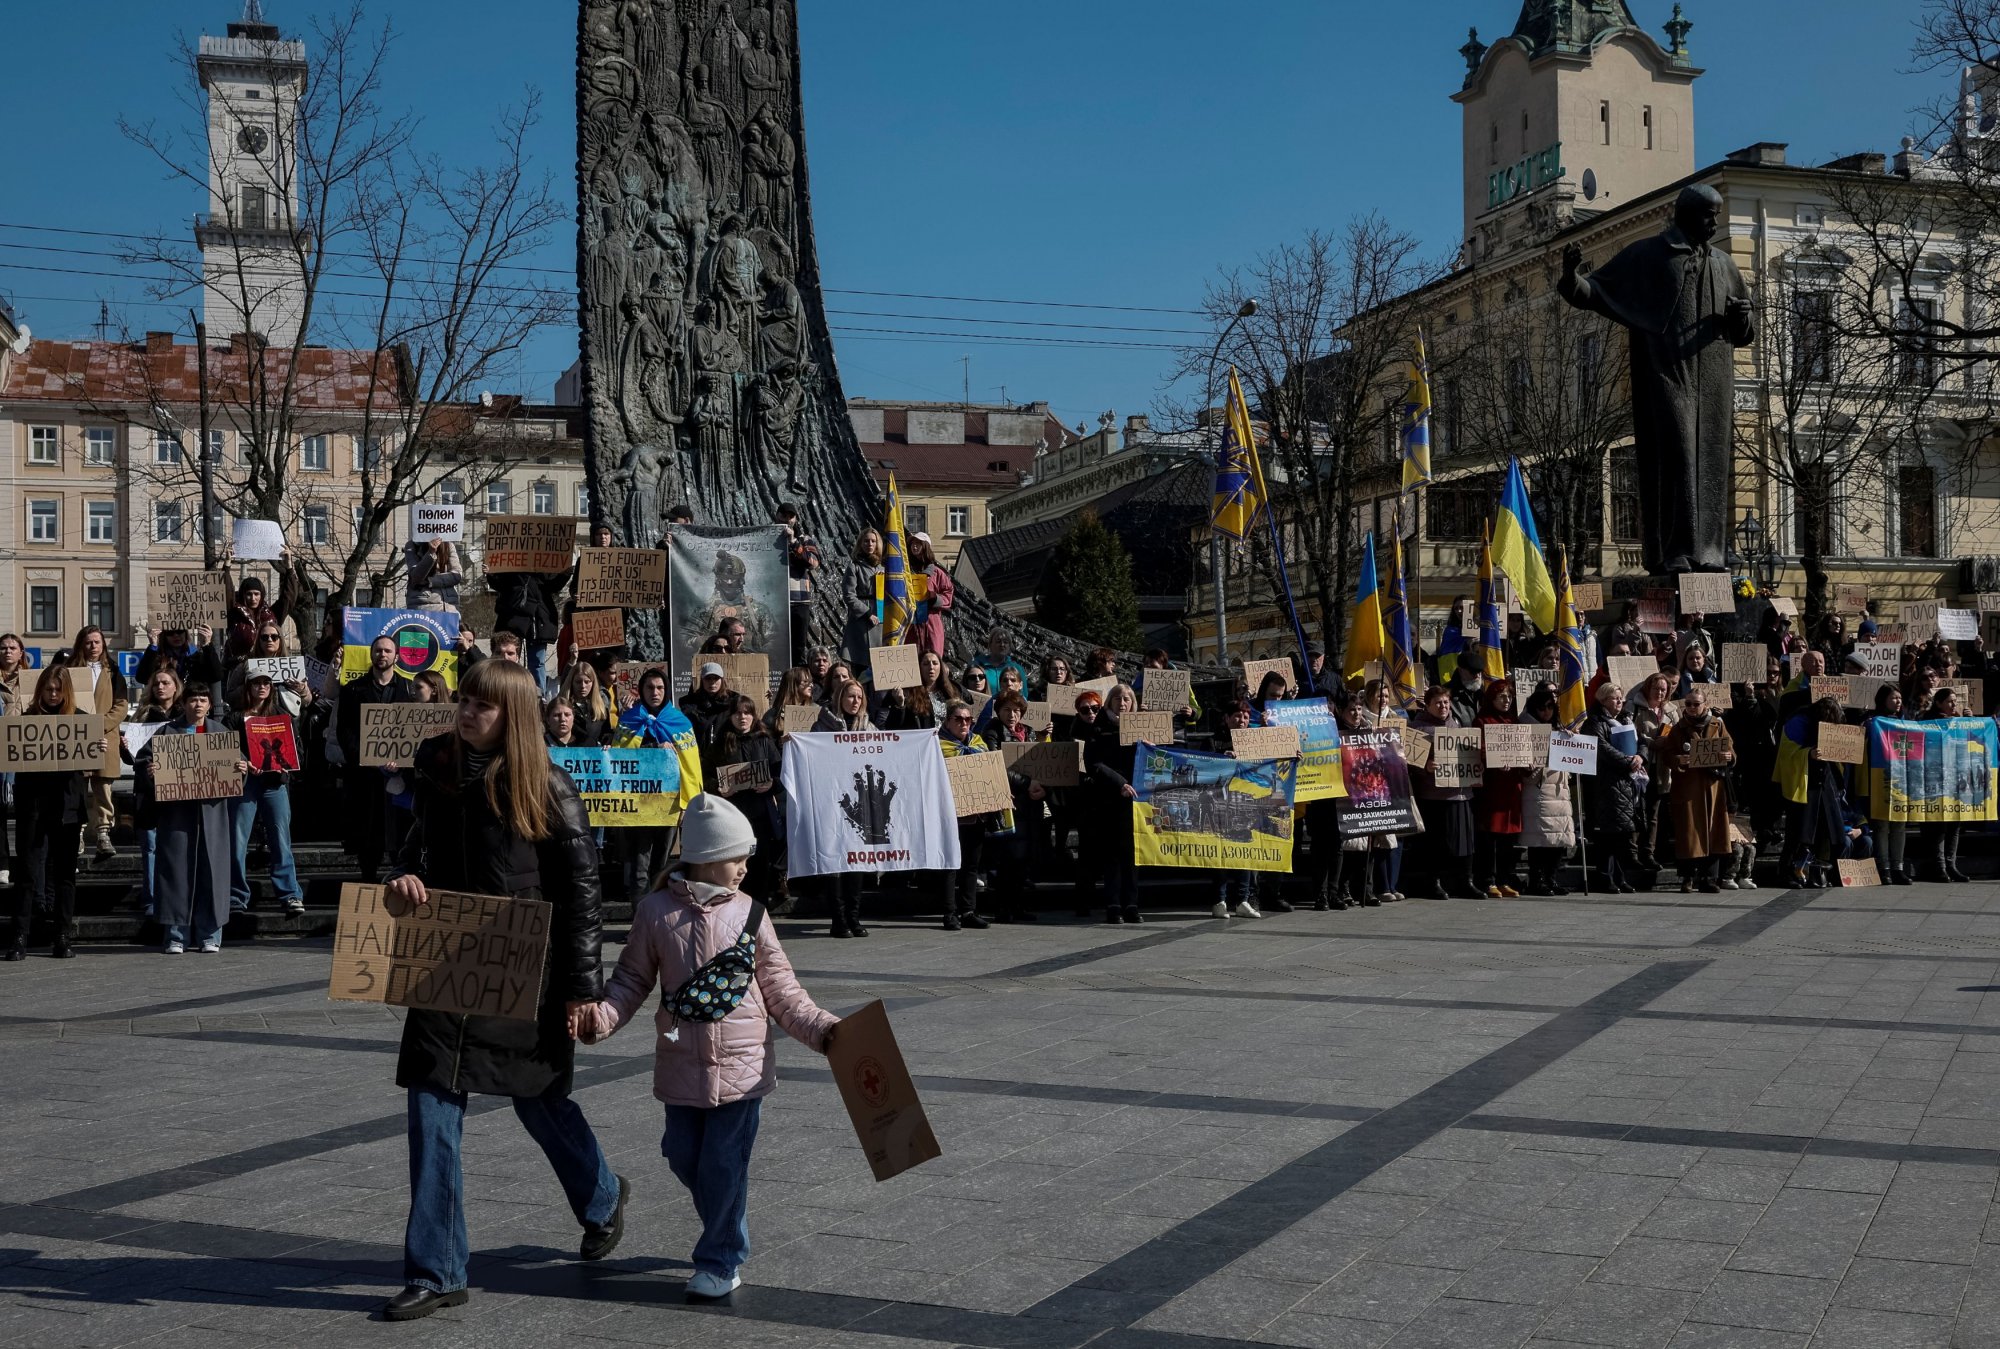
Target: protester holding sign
x=1446, y=811
x=961, y=887
x=265, y=798
x=1015, y=853
x=1892, y=833
x=432, y=578
x=195, y=842
x=49, y=811
x=1110, y=766
x=248, y=615
x=495, y=817
x=1548, y=823
x=920, y=706
x=367, y=795
x=1614, y=797
x=1497, y=806
x=1347, y=873
x=196, y=661
x=1386, y=849
x=743, y=742
x=651, y=723
x=1941, y=837
x=100, y=688
x=156, y=707
x=1813, y=788
x=1700, y=751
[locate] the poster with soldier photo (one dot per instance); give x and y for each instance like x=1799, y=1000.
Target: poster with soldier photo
x=715, y=574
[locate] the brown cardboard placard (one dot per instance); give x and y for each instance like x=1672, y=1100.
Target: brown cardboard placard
x=895, y=667
x=537, y=543
x=1989, y=602
x=798, y=717
x=1155, y=728
x=1656, y=611
x=621, y=578
x=1455, y=757
x=391, y=732
x=739, y=777
x=1101, y=687
x=1527, y=678
x=1850, y=599
x=1416, y=746
x=1835, y=687
x=1918, y=619
x=1511, y=746
x=1165, y=690
x=1038, y=717
x=61, y=744
x=1265, y=742
x=1053, y=763
x=625, y=674
x=1707, y=592
x=978, y=783
x=1861, y=690
x=1629, y=672
x=186, y=599
x=1745, y=663
x=595, y=629
x=1971, y=696
x=200, y=766
x=881, y=1099
x=1587, y=595
x=1709, y=751
x=472, y=955
x=1859, y=871
x=1061, y=699
x=1255, y=670
x=1841, y=743
x=746, y=672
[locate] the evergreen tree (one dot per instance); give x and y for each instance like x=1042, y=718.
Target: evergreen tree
x=1087, y=591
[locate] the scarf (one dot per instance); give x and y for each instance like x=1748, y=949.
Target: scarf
x=654, y=726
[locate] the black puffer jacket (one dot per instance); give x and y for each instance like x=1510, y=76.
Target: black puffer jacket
x=458, y=843
x=528, y=603
x=1612, y=796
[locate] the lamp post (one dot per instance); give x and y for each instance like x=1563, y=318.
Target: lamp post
x=1243, y=311
x=1753, y=543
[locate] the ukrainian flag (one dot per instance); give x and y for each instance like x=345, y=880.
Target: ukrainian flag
x=1451, y=645
x=1518, y=547
x=1364, y=639
x=1239, y=497
x=1401, y=656
x=896, y=607
x=1492, y=622
x=1570, y=703
x=1415, y=434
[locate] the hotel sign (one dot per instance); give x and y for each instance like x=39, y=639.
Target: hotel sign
x=1531, y=174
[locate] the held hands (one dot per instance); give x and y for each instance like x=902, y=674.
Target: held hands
x=589, y=1021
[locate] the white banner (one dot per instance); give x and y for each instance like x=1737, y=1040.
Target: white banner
x=868, y=801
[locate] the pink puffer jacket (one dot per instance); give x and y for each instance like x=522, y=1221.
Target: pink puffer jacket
x=712, y=1063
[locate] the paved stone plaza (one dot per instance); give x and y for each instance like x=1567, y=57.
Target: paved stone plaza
x=1760, y=1120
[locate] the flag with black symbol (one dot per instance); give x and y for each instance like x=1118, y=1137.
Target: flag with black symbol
x=867, y=801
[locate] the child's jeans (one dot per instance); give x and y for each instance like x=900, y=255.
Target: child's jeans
x=708, y=1150
x=1235, y=887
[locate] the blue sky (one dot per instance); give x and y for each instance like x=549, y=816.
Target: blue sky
x=1100, y=152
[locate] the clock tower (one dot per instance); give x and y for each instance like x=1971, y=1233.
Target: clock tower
x=253, y=251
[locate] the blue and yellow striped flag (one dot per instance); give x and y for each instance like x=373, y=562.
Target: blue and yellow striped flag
x=1400, y=657
x=1518, y=546
x=1239, y=481
x=1364, y=638
x=1492, y=622
x=1415, y=434
x=896, y=607
x=1571, y=706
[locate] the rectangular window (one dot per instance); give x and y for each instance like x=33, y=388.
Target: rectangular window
x=44, y=522
x=1813, y=505
x=1604, y=122
x=318, y=524
x=314, y=456
x=499, y=498
x=358, y=518
x=451, y=492
x=542, y=498
x=166, y=449
x=1646, y=124
x=1444, y=419
x=254, y=216
x=1493, y=143
x=1916, y=511
x=583, y=500
x=917, y=519
x=100, y=522
x=45, y=445
x=1625, y=495
x=369, y=454
x=44, y=609
x=166, y=522
x=1460, y=508
x=218, y=446
x=100, y=607
x=958, y=521
x=1524, y=132
x=1814, y=342
x=100, y=445
x=1916, y=344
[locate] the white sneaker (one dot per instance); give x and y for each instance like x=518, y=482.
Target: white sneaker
x=174, y=948
x=1746, y=884
x=706, y=1285
x=1220, y=910
x=211, y=946
x=1726, y=883
x=1244, y=909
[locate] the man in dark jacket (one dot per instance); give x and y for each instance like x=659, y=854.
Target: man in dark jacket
x=367, y=788
x=196, y=662
x=529, y=604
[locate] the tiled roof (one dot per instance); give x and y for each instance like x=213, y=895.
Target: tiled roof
x=160, y=369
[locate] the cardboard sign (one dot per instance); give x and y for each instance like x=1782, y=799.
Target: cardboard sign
x=1587, y=595
x=471, y=955
x=1958, y=625
x=621, y=578
x=1784, y=606
x=1656, y=611
x=881, y=1099
x=1841, y=743
x=1850, y=599
x=1255, y=670
x=1835, y=687
x=537, y=543
x=1061, y=699
x=1745, y=663
x=1416, y=746
x=1989, y=602
x=1919, y=619
x=1573, y=754
x=1165, y=690
x=1053, y=763
x=282, y=669
x=1708, y=751
x=180, y=600
x=1859, y=871
x=1038, y=717
x=391, y=732
x=798, y=717
x=42, y=744
x=978, y=783
x=430, y=522
x=320, y=676
x=1101, y=687
x=1265, y=742
x=257, y=540
x=895, y=667
x=1707, y=592
x=1455, y=757
x=623, y=788
x=1629, y=672
x=1510, y=746
x=595, y=629
x=274, y=744
x=136, y=735
x=1861, y=690
x=1971, y=696
x=196, y=767
x=1528, y=678
x=1880, y=660
x=746, y=672
x=731, y=778
x=1155, y=728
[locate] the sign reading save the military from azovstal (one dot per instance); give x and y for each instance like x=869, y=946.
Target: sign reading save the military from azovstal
x=714, y=574
x=472, y=955
x=622, y=788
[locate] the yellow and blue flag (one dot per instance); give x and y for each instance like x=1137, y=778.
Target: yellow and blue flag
x=1239, y=480
x=1400, y=659
x=1571, y=706
x=1415, y=433
x=1364, y=638
x=1492, y=622
x=1517, y=545
x=896, y=606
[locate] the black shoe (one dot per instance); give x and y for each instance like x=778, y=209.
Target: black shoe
x=1132, y=914
x=1625, y=888
x=1437, y=891
x=1321, y=906
x=841, y=930
x=1952, y=873
x=1558, y=888
x=599, y=1242
x=1111, y=916
x=413, y=1303
x=18, y=951
x=951, y=922
x=856, y=930
x=1276, y=905
x=1900, y=878
x=973, y=920
x=1340, y=905
x=1371, y=902
x=61, y=949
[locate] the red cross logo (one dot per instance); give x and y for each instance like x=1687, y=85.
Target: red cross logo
x=868, y=1075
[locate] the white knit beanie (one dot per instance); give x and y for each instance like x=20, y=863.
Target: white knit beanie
x=714, y=830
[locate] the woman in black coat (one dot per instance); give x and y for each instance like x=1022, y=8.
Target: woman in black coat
x=1110, y=766
x=48, y=820
x=494, y=817
x=742, y=738
x=1614, y=798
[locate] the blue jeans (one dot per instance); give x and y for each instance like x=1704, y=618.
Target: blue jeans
x=274, y=804
x=435, y=1251
x=1234, y=887
x=709, y=1152
x=541, y=664
x=149, y=847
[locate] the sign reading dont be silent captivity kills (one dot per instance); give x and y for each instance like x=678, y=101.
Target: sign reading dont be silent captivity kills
x=473, y=955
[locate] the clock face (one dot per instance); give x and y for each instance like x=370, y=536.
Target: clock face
x=252, y=140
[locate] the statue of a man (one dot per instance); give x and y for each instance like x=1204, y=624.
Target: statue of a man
x=1685, y=308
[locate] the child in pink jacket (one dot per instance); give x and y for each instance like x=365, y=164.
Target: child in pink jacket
x=712, y=1074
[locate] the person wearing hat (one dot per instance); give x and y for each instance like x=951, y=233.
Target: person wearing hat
x=713, y=1056
x=927, y=629
x=707, y=702
x=265, y=797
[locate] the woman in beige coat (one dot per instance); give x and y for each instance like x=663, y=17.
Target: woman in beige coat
x=1699, y=801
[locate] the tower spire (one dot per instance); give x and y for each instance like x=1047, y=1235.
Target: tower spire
x=253, y=11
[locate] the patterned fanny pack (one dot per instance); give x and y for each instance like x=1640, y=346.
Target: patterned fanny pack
x=720, y=985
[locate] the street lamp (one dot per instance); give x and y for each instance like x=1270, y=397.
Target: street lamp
x=1243, y=311
x=1754, y=544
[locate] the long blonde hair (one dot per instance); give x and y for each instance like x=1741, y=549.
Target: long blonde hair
x=597, y=703
x=520, y=759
